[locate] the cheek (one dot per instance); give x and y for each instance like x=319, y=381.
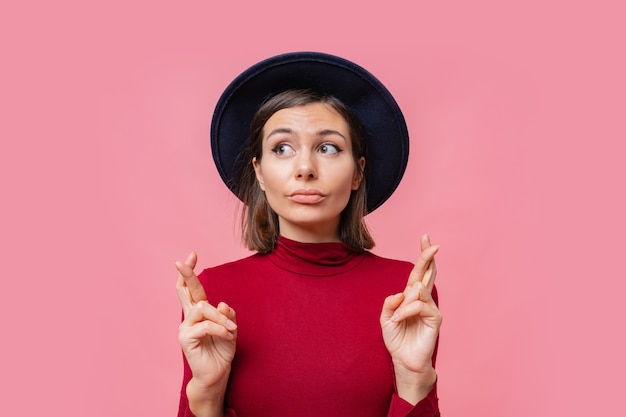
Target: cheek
x=271, y=178
x=348, y=182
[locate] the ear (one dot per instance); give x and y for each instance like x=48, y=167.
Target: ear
x=358, y=174
x=259, y=173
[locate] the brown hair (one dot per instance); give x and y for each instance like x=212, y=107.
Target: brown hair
x=259, y=222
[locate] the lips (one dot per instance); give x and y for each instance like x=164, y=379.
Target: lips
x=307, y=196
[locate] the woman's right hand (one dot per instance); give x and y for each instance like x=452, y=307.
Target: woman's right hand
x=207, y=334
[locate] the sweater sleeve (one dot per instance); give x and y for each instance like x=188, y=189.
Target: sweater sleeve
x=427, y=407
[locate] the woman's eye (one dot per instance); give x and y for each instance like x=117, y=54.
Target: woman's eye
x=282, y=149
x=329, y=149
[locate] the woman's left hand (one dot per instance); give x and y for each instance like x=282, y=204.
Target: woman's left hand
x=410, y=323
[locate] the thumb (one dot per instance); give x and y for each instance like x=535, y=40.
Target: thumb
x=192, y=259
x=390, y=305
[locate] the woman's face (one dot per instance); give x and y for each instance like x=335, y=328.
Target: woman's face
x=307, y=170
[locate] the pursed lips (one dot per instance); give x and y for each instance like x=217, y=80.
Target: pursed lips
x=309, y=196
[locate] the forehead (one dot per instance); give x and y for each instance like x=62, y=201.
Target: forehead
x=316, y=115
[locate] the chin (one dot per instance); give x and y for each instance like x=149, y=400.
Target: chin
x=309, y=222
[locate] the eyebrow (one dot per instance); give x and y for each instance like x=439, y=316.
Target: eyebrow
x=279, y=130
x=325, y=132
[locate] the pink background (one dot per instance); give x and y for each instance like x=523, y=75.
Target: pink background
x=516, y=113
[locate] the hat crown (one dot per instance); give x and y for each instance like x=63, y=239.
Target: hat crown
x=385, y=128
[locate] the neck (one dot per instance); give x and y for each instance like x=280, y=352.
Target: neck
x=313, y=233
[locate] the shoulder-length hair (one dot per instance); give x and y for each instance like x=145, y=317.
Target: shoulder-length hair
x=259, y=223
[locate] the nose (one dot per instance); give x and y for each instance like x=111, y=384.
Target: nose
x=306, y=169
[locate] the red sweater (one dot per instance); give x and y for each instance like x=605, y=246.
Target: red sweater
x=309, y=341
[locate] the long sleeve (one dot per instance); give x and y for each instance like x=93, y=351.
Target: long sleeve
x=427, y=407
x=309, y=341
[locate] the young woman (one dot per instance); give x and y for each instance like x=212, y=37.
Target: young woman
x=313, y=324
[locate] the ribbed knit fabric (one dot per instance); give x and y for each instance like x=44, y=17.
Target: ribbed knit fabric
x=309, y=342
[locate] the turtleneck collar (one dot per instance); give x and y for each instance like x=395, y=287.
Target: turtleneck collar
x=314, y=259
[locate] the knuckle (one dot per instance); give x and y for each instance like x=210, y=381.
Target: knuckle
x=418, y=307
x=209, y=328
x=197, y=310
x=183, y=336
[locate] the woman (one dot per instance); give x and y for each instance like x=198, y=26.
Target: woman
x=301, y=333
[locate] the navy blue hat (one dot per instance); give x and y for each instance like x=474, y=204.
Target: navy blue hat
x=386, y=132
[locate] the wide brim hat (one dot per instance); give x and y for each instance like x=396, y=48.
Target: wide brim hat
x=385, y=128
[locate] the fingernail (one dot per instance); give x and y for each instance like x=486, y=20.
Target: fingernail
x=230, y=325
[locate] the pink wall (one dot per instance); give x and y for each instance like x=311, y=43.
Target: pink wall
x=516, y=113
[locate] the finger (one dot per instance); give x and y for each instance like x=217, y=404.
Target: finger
x=191, y=280
x=422, y=264
x=202, y=329
x=430, y=275
x=417, y=292
x=192, y=259
x=425, y=242
x=213, y=314
x=428, y=311
x=390, y=305
x=227, y=311
x=204, y=311
x=192, y=316
x=183, y=295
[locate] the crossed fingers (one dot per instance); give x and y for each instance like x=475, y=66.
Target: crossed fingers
x=203, y=319
x=425, y=269
x=188, y=286
x=200, y=317
x=417, y=298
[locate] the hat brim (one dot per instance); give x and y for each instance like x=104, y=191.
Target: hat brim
x=386, y=132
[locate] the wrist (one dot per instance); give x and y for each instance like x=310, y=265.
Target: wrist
x=206, y=400
x=414, y=386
